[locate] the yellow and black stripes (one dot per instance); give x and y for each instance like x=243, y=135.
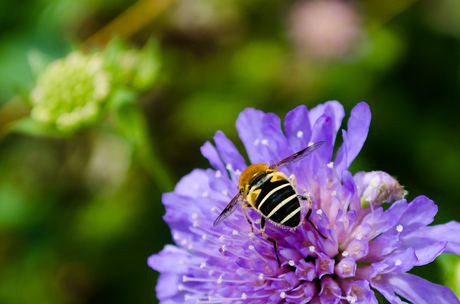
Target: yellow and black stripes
x=276, y=200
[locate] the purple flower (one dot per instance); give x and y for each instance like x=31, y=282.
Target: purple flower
x=364, y=249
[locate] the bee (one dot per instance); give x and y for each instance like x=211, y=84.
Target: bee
x=271, y=193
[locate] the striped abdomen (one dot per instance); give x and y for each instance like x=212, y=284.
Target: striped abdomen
x=274, y=197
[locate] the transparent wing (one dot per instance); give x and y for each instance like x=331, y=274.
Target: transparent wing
x=231, y=207
x=299, y=155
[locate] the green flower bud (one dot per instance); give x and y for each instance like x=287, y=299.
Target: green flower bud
x=72, y=92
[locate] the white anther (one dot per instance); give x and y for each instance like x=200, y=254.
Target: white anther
x=222, y=238
x=180, y=287
x=237, y=172
x=257, y=221
x=345, y=253
x=398, y=262
x=205, y=194
x=196, y=186
x=184, y=241
x=352, y=299
x=264, y=142
x=368, y=199
x=235, y=232
x=204, y=237
x=319, y=211
x=251, y=247
x=218, y=174
x=203, y=265
x=195, y=224
x=312, y=248
x=213, y=209
x=399, y=228
x=251, y=234
x=190, y=247
x=291, y=263
x=176, y=236
x=194, y=216
x=310, y=143
x=224, y=248
x=244, y=296
x=229, y=167
x=225, y=192
x=282, y=295
x=261, y=276
x=256, y=142
x=299, y=134
x=359, y=236
x=219, y=280
x=330, y=165
x=334, y=193
x=184, y=278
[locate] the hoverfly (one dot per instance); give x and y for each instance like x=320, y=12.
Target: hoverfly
x=270, y=192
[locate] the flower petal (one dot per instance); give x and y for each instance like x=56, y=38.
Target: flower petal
x=336, y=110
x=297, y=128
x=357, y=130
x=210, y=152
x=420, y=291
x=448, y=232
x=419, y=213
x=229, y=154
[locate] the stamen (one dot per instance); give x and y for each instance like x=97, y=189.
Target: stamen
x=399, y=228
x=330, y=165
x=220, y=280
x=256, y=142
x=218, y=174
x=359, y=236
x=299, y=134
x=264, y=142
x=225, y=192
x=250, y=237
x=214, y=209
x=312, y=249
x=291, y=263
x=224, y=249
x=345, y=253
x=181, y=287
x=262, y=277
x=207, y=238
x=258, y=254
x=194, y=216
x=398, y=262
x=224, y=238
x=334, y=193
x=229, y=167
x=283, y=295
x=319, y=212
x=205, y=194
x=191, y=247
x=191, y=279
x=237, y=172
x=352, y=299
x=196, y=224
x=310, y=143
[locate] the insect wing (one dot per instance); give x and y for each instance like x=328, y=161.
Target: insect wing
x=231, y=207
x=299, y=155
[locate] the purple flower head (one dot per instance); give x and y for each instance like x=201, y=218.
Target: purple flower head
x=354, y=249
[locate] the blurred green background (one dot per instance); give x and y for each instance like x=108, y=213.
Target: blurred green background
x=79, y=215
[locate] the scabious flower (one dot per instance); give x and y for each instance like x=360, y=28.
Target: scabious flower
x=75, y=92
x=366, y=250
x=71, y=92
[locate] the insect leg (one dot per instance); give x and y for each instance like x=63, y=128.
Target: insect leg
x=262, y=229
x=310, y=209
x=246, y=216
